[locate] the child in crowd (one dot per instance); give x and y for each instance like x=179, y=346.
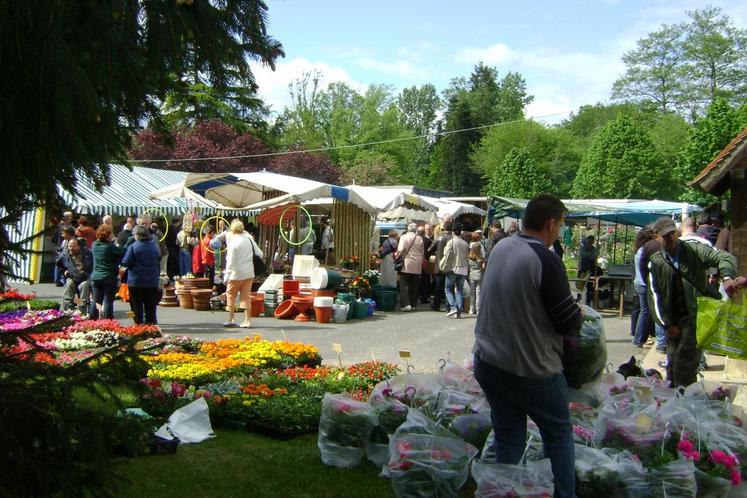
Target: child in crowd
x=476, y=270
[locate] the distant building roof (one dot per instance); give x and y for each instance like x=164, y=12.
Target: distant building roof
x=714, y=178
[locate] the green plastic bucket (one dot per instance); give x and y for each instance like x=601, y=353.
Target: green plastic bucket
x=322, y=278
x=360, y=309
x=386, y=300
x=348, y=298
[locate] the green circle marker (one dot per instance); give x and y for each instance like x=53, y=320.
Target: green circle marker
x=280, y=224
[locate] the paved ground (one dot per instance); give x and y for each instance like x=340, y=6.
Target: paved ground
x=427, y=335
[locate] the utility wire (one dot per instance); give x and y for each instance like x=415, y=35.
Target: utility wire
x=338, y=147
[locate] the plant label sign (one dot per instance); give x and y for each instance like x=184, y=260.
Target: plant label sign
x=336, y=347
x=405, y=354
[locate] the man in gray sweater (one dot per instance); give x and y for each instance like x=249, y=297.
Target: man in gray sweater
x=526, y=309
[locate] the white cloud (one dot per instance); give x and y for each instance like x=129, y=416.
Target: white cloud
x=399, y=67
x=498, y=53
x=273, y=85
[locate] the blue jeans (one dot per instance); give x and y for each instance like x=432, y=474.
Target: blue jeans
x=512, y=398
x=103, y=293
x=661, y=336
x=455, y=302
x=185, y=262
x=642, y=324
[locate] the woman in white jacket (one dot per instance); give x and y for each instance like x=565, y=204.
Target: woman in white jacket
x=239, y=273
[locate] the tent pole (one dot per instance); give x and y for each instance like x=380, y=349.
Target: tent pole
x=614, y=242
x=625, y=259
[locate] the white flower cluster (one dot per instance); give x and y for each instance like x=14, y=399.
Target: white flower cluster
x=87, y=340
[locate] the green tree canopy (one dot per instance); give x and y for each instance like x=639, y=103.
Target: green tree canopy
x=655, y=70
x=707, y=138
x=519, y=176
x=622, y=162
x=85, y=73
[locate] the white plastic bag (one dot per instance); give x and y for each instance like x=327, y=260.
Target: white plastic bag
x=495, y=479
x=191, y=423
x=344, y=428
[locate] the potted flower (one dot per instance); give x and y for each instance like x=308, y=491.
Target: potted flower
x=349, y=262
x=361, y=286
x=344, y=427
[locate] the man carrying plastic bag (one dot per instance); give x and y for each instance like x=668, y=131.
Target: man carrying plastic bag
x=526, y=310
x=677, y=277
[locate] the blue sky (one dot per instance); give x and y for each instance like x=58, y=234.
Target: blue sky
x=568, y=51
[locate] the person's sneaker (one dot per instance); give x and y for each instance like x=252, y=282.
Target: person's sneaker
x=230, y=325
x=246, y=325
x=662, y=364
x=455, y=315
x=406, y=308
x=452, y=312
x=650, y=341
x=703, y=366
x=639, y=346
x=661, y=350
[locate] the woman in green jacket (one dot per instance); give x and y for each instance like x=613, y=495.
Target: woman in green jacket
x=106, y=258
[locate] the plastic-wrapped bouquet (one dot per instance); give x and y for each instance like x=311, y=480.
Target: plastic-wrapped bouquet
x=585, y=356
x=344, y=428
x=427, y=460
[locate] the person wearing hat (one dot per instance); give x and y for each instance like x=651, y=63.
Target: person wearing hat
x=677, y=277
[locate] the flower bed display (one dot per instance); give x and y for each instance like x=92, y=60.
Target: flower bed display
x=49, y=320
x=279, y=402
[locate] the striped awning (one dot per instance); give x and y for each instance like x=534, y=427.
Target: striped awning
x=128, y=192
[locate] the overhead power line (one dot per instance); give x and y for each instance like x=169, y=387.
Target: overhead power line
x=339, y=147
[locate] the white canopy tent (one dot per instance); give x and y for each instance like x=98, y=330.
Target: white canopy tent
x=237, y=190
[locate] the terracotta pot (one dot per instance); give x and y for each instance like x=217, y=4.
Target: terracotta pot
x=257, y=306
x=323, y=315
x=286, y=309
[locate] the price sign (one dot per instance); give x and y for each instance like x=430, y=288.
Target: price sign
x=405, y=354
x=337, y=348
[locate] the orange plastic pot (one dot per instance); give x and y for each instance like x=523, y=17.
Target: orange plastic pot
x=323, y=315
x=286, y=309
x=257, y=306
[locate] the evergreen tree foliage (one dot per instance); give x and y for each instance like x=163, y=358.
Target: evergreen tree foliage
x=80, y=75
x=519, y=176
x=622, y=162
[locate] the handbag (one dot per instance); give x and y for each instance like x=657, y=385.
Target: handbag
x=260, y=268
x=399, y=260
x=446, y=264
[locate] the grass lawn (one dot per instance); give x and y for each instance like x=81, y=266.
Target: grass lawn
x=239, y=464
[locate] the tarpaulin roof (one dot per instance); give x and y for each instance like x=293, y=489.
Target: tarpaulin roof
x=624, y=211
x=239, y=190
x=384, y=199
x=128, y=193
x=454, y=208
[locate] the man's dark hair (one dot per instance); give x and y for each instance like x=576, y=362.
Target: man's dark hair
x=496, y=224
x=68, y=230
x=542, y=208
x=448, y=225
x=457, y=229
x=704, y=218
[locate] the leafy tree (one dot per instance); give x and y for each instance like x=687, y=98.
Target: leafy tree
x=418, y=113
x=708, y=137
x=519, y=176
x=655, y=70
x=622, y=162
x=85, y=73
x=300, y=124
x=716, y=51
x=512, y=98
x=311, y=165
x=369, y=167
x=554, y=150
x=206, y=139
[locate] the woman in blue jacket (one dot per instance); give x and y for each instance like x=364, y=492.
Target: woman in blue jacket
x=143, y=260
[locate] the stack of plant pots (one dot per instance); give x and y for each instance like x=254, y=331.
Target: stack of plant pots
x=201, y=299
x=196, y=283
x=169, y=299
x=271, y=301
x=185, y=298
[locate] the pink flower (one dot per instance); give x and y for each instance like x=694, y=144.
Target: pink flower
x=178, y=389
x=735, y=477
